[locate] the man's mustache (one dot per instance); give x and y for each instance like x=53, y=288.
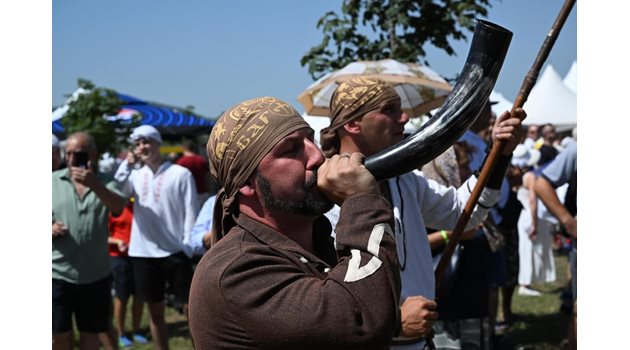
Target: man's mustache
x=312, y=181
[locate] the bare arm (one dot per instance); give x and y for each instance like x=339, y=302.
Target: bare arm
x=528, y=181
x=436, y=239
x=549, y=196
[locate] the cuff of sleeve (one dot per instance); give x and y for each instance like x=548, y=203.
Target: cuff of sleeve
x=488, y=197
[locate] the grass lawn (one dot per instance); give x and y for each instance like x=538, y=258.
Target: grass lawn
x=179, y=336
x=540, y=324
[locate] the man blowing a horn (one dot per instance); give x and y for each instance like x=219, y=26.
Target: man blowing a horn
x=366, y=117
x=272, y=278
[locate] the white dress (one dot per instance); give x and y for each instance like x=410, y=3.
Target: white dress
x=536, y=262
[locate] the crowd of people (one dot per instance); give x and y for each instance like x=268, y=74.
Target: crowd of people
x=301, y=247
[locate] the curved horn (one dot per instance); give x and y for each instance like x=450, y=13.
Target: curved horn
x=462, y=107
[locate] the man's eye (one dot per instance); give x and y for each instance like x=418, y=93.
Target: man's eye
x=287, y=150
x=389, y=109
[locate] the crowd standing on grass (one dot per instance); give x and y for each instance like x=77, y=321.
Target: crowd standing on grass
x=277, y=266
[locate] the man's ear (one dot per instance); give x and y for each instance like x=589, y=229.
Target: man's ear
x=249, y=188
x=353, y=126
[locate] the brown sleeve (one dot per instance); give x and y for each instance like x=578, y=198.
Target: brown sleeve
x=354, y=306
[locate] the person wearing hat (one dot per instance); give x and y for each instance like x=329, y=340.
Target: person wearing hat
x=272, y=278
x=366, y=117
x=164, y=212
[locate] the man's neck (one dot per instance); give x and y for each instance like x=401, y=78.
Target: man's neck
x=154, y=164
x=298, y=228
x=347, y=145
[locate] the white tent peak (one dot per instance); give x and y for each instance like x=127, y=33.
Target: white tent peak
x=502, y=105
x=550, y=101
x=570, y=80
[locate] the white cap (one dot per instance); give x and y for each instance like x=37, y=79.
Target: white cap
x=147, y=132
x=55, y=141
x=524, y=156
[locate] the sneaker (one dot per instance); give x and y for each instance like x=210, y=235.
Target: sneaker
x=124, y=342
x=140, y=339
x=526, y=291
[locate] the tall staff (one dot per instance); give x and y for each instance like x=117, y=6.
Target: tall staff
x=497, y=148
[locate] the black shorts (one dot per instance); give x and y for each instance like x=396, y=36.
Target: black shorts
x=90, y=303
x=151, y=275
x=122, y=270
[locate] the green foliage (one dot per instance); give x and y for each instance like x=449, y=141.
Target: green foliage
x=88, y=113
x=400, y=30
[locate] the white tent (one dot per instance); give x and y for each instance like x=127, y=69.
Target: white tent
x=550, y=101
x=570, y=80
x=502, y=105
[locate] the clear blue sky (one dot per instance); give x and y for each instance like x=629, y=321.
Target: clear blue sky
x=213, y=54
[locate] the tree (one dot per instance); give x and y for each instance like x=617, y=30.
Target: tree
x=401, y=28
x=91, y=112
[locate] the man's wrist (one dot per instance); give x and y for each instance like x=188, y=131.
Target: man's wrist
x=444, y=235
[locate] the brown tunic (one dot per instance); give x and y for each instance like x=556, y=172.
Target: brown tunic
x=256, y=288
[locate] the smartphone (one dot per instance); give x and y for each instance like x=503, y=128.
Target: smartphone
x=80, y=159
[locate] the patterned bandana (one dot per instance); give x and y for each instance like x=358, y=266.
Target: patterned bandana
x=444, y=169
x=242, y=136
x=351, y=100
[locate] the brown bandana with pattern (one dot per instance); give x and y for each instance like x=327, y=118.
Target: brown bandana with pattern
x=353, y=99
x=241, y=137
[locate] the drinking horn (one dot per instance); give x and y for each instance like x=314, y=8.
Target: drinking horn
x=460, y=110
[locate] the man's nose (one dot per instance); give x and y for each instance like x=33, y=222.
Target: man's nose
x=314, y=155
x=404, y=118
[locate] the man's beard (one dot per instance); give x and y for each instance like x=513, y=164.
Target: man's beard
x=310, y=205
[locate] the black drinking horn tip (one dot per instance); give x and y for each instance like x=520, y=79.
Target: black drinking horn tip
x=489, y=46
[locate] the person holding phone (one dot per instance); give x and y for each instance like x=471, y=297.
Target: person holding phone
x=82, y=199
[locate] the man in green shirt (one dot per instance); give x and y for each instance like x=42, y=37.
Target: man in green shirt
x=81, y=270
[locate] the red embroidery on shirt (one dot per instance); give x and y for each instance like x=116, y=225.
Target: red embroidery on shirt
x=156, y=189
